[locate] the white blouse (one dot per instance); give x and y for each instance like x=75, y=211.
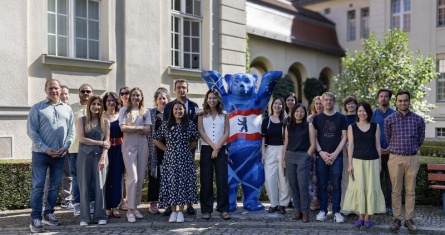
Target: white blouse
x=214, y=129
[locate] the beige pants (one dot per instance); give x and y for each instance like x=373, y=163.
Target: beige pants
x=403, y=168
x=276, y=183
x=135, y=154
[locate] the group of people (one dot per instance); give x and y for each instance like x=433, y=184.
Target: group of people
x=107, y=140
x=343, y=159
x=115, y=138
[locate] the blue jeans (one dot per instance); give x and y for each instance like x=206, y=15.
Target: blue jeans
x=40, y=163
x=73, y=172
x=334, y=173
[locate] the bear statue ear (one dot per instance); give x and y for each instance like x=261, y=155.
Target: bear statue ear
x=228, y=78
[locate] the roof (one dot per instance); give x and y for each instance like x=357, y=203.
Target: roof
x=309, y=28
x=306, y=2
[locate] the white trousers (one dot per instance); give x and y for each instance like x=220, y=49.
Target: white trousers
x=276, y=184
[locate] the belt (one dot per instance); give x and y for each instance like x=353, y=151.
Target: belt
x=116, y=141
x=405, y=154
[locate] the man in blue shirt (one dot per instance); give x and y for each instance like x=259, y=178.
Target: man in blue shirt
x=382, y=112
x=51, y=129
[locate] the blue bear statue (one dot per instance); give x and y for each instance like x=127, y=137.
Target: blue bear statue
x=244, y=105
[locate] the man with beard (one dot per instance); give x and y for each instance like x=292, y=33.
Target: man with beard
x=405, y=133
x=379, y=116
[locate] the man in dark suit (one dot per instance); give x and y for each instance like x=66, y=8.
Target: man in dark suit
x=181, y=89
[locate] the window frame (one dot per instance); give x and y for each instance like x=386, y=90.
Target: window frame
x=364, y=23
x=179, y=53
x=402, y=14
x=440, y=81
x=351, y=25
x=440, y=21
x=71, y=31
x=440, y=130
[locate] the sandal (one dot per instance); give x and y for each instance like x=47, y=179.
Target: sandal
x=115, y=213
x=358, y=223
x=206, y=216
x=225, y=215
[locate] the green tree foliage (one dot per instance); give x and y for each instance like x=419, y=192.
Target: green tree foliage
x=387, y=64
x=284, y=86
x=312, y=88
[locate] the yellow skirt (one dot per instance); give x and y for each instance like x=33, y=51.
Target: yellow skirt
x=364, y=195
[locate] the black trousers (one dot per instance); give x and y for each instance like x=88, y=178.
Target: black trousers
x=154, y=184
x=219, y=165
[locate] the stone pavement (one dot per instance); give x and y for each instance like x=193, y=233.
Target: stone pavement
x=429, y=219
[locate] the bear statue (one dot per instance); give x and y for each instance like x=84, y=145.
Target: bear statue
x=245, y=105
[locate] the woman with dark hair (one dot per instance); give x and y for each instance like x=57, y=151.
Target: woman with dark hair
x=350, y=106
x=178, y=175
x=299, y=145
x=161, y=98
x=214, y=127
x=272, y=144
x=364, y=193
x=116, y=167
x=290, y=99
x=135, y=122
x=94, y=141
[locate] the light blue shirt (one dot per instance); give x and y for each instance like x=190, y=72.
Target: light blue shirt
x=50, y=126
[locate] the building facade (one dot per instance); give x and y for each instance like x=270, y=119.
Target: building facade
x=423, y=21
x=113, y=43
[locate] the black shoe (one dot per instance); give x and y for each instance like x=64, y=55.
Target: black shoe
x=282, y=210
x=290, y=205
x=167, y=211
x=273, y=209
x=389, y=211
x=190, y=210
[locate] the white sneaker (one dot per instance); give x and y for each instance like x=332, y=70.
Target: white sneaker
x=173, y=217
x=339, y=218
x=83, y=224
x=131, y=218
x=138, y=214
x=76, y=209
x=102, y=222
x=321, y=216
x=180, y=218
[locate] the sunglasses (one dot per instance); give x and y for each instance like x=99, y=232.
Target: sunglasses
x=125, y=93
x=85, y=91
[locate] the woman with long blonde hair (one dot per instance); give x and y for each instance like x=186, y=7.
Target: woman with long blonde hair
x=135, y=122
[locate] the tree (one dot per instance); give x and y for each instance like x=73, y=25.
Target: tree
x=312, y=88
x=284, y=86
x=387, y=64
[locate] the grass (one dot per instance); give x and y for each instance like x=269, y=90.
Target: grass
x=434, y=160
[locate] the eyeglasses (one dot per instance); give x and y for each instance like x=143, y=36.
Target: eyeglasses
x=125, y=93
x=85, y=91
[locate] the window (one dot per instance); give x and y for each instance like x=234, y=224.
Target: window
x=401, y=14
x=441, y=81
x=186, y=34
x=440, y=132
x=440, y=13
x=351, y=26
x=73, y=28
x=364, y=26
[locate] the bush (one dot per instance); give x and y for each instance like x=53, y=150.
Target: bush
x=15, y=183
x=433, y=148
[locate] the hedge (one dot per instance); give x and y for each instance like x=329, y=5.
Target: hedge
x=15, y=184
x=433, y=148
